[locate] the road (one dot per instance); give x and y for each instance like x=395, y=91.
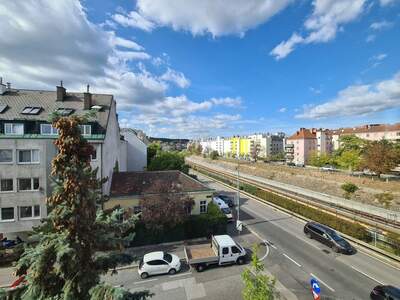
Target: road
x=294, y=259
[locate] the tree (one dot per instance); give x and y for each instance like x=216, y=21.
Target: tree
x=166, y=160
x=257, y=286
x=64, y=264
x=152, y=151
x=319, y=160
x=349, y=189
x=277, y=157
x=380, y=157
x=349, y=159
x=214, y=155
x=254, y=152
x=351, y=143
x=166, y=209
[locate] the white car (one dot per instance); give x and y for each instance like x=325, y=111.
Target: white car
x=158, y=262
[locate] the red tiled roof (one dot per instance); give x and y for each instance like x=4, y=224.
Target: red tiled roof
x=368, y=128
x=153, y=182
x=303, y=134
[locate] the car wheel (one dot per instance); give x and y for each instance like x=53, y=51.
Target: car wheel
x=200, y=268
x=144, y=275
x=308, y=234
x=172, y=271
x=240, y=261
x=335, y=249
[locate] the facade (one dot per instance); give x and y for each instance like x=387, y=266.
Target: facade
x=137, y=150
x=129, y=188
x=26, y=148
x=300, y=146
x=268, y=144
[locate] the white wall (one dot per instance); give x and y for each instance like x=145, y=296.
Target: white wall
x=136, y=151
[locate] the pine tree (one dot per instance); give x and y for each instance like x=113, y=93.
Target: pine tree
x=65, y=264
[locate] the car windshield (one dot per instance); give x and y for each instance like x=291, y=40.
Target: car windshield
x=335, y=236
x=167, y=257
x=226, y=210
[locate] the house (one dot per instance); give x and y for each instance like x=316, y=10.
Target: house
x=136, y=150
x=300, y=145
x=27, y=148
x=128, y=188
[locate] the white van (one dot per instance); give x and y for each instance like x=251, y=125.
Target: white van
x=224, y=208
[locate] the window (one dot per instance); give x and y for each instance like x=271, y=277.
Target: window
x=7, y=214
x=28, y=184
x=225, y=251
x=47, y=129
x=6, y=185
x=14, y=128
x=29, y=211
x=86, y=129
x=31, y=110
x=30, y=156
x=3, y=108
x=64, y=111
x=235, y=250
x=6, y=156
x=203, y=206
x=94, y=154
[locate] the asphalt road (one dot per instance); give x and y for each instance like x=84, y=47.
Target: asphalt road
x=294, y=258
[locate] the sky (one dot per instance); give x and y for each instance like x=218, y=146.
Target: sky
x=189, y=68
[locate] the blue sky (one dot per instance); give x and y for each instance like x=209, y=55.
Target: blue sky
x=190, y=68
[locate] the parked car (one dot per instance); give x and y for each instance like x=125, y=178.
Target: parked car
x=328, y=168
x=224, y=208
x=228, y=200
x=158, y=262
x=329, y=237
x=223, y=250
x=384, y=292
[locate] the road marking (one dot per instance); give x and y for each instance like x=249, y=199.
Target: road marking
x=182, y=274
x=267, y=252
x=291, y=259
x=378, y=259
x=145, y=280
x=365, y=274
x=312, y=275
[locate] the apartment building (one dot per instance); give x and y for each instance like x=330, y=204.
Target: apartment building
x=137, y=149
x=300, y=145
x=26, y=147
x=268, y=144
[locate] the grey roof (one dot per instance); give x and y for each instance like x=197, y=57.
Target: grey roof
x=18, y=99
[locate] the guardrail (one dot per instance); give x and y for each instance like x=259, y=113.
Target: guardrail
x=390, y=258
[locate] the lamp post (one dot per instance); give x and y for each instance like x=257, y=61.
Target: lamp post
x=238, y=224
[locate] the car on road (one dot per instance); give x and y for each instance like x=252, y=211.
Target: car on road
x=329, y=237
x=223, y=208
x=384, y=292
x=222, y=250
x=228, y=200
x=158, y=262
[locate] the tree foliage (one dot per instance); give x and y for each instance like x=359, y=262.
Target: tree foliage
x=349, y=189
x=166, y=160
x=257, y=285
x=320, y=160
x=349, y=159
x=381, y=156
x=214, y=155
x=152, y=151
x=63, y=264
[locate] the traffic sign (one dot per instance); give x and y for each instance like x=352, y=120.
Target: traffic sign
x=316, y=290
x=239, y=225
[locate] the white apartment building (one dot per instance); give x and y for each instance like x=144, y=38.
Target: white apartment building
x=136, y=150
x=26, y=148
x=269, y=144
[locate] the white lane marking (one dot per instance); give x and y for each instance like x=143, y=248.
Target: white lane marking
x=145, y=280
x=266, y=253
x=365, y=274
x=381, y=261
x=181, y=274
x=273, y=246
x=291, y=259
x=324, y=283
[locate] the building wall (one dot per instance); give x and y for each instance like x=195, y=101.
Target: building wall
x=136, y=152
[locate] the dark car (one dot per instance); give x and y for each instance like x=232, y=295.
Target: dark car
x=384, y=292
x=328, y=236
x=228, y=200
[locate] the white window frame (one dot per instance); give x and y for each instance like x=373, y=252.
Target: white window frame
x=84, y=129
x=13, y=189
x=12, y=157
x=31, y=189
x=8, y=220
x=32, y=217
x=11, y=126
x=30, y=162
x=203, y=204
x=53, y=131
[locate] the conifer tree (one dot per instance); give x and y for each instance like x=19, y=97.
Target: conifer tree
x=65, y=263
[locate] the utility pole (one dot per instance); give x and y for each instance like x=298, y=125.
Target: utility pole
x=239, y=227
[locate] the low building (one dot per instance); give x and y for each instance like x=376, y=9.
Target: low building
x=129, y=188
x=136, y=150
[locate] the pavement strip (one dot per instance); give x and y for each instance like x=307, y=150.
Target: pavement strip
x=146, y=280
x=325, y=284
x=181, y=274
x=366, y=275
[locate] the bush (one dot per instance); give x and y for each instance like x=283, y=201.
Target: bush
x=394, y=240
x=214, y=155
x=349, y=188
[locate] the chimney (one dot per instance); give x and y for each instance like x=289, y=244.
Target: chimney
x=87, y=99
x=61, y=92
x=8, y=86
x=3, y=88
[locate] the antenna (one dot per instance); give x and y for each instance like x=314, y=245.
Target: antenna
x=87, y=88
x=61, y=83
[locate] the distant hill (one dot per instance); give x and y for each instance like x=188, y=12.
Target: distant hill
x=166, y=140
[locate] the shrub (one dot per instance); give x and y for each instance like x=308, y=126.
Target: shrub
x=394, y=240
x=385, y=199
x=214, y=155
x=349, y=188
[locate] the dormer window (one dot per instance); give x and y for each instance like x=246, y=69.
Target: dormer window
x=31, y=110
x=64, y=111
x=3, y=108
x=14, y=128
x=86, y=129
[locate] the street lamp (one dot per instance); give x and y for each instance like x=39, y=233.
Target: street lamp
x=238, y=223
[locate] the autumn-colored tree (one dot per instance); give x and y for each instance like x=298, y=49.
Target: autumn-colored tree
x=255, y=151
x=63, y=263
x=166, y=209
x=380, y=157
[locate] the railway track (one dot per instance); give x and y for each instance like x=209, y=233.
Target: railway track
x=373, y=222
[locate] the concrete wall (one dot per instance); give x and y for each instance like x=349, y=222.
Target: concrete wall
x=136, y=151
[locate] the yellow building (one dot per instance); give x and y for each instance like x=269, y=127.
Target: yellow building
x=244, y=146
x=235, y=146
x=128, y=189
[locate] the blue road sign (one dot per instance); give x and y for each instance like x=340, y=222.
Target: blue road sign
x=315, y=288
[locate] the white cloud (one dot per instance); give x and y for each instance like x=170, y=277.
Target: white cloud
x=379, y=57
x=322, y=26
x=134, y=19
x=282, y=110
x=315, y=90
x=381, y=25
x=118, y=41
x=176, y=77
x=227, y=101
x=370, y=38
x=358, y=100
x=386, y=2
x=217, y=17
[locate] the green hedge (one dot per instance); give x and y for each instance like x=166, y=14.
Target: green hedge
x=203, y=225
x=353, y=229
